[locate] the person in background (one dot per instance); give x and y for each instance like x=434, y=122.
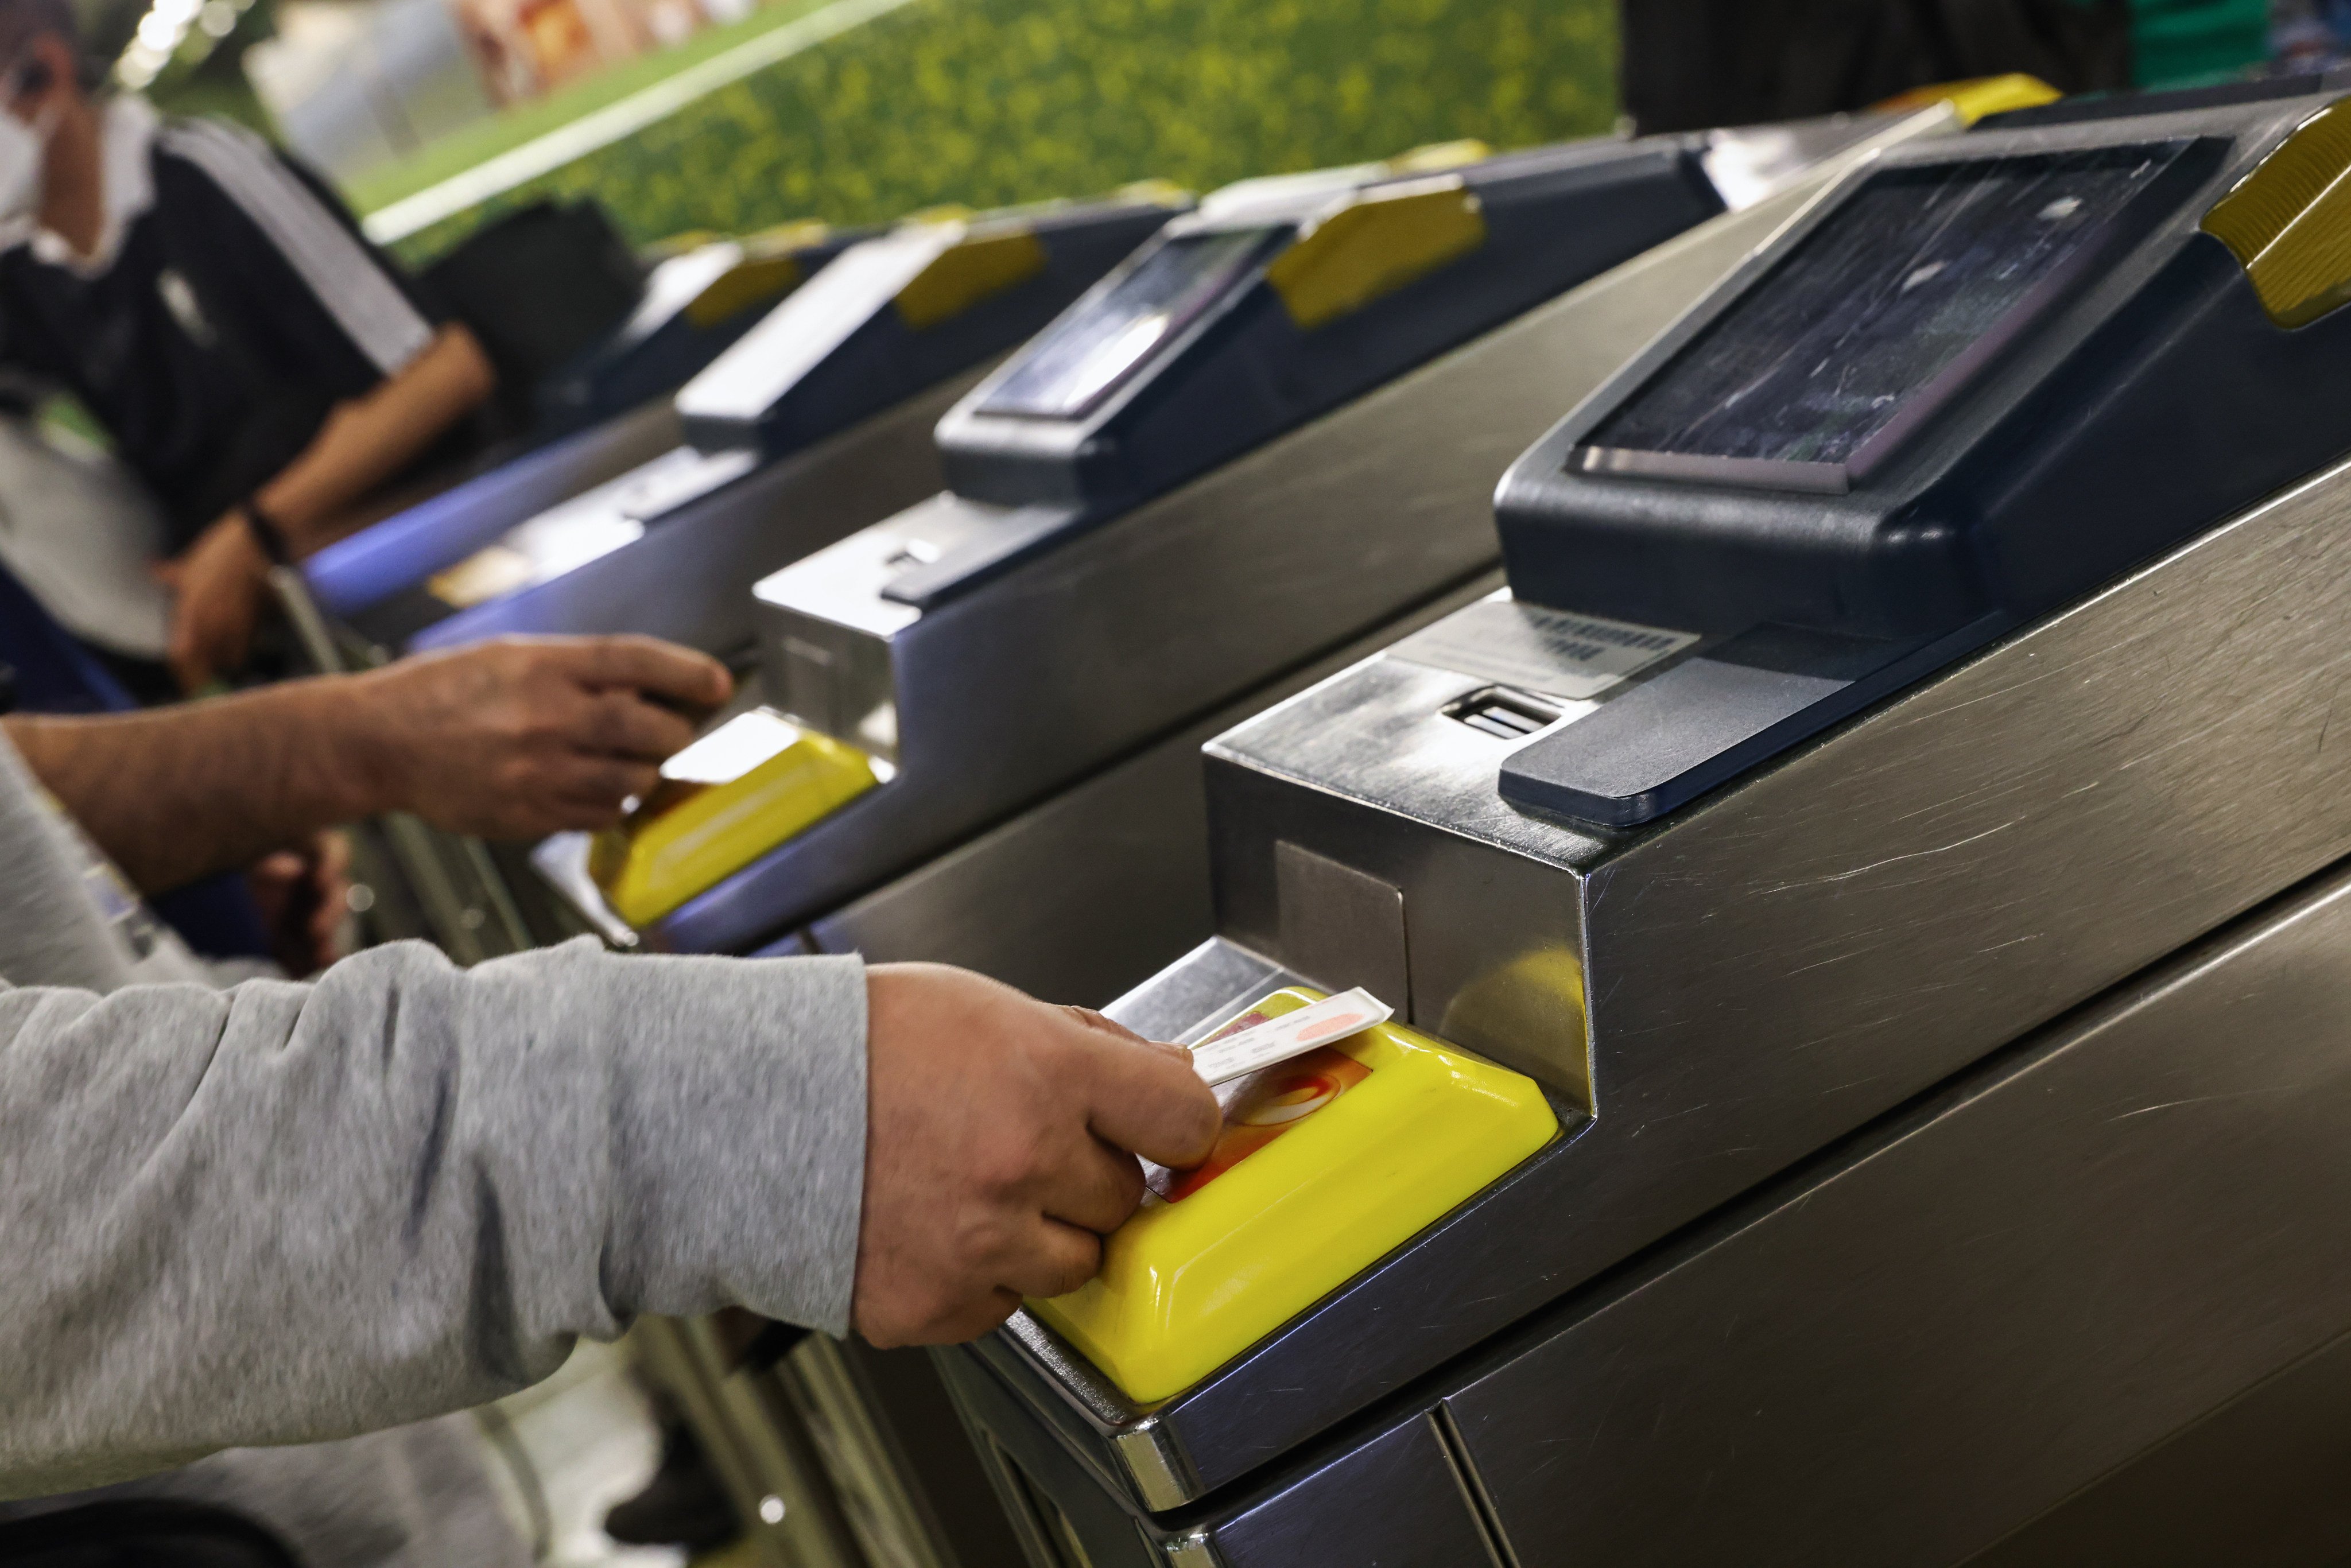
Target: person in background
x=289, y=1213
x=257, y=363
x=1688, y=64
x=509, y=741
x=561, y=738
x=81, y=535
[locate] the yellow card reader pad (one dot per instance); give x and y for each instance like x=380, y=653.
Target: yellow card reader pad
x=723, y=802
x=1328, y=1162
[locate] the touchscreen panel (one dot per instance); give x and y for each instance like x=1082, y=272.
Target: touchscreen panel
x=1077, y=364
x=1917, y=270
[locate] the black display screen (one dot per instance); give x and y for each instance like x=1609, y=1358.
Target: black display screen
x=1919, y=273
x=1077, y=362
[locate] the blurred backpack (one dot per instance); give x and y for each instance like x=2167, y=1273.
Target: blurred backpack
x=538, y=286
x=1690, y=65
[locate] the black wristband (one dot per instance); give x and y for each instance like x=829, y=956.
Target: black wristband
x=266, y=532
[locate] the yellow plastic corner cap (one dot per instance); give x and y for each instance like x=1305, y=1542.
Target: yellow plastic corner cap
x=1155, y=191
x=724, y=801
x=755, y=280
x=680, y=243
x=986, y=261
x=1328, y=1162
x=1976, y=97
x=784, y=238
x=1434, y=157
x=2289, y=221
x=1374, y=244
x=771, y=266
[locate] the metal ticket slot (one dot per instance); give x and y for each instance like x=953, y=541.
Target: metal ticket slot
x=1892, y=821
x=814, y=422
x=1118, y=487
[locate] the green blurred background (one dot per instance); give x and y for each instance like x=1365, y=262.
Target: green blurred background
x=988, y=102
x=985, y=103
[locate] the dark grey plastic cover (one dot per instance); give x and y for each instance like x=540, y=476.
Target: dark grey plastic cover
x=1878, y=316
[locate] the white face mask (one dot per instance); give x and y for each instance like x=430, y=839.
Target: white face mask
x=24, y=154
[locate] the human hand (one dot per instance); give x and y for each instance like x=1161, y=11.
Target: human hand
x=528, y=736
x=221, y=583
x=302, y=895
x=999, y=1148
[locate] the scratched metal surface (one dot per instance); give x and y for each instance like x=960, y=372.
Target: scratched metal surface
x=1264, y=564
x=2105, y=1274
x=1786, y=960
x=2031, y=1283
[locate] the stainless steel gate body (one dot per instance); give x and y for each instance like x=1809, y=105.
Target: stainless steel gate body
x=1722, y=996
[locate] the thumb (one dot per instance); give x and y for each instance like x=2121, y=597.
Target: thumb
x=1146, y=1098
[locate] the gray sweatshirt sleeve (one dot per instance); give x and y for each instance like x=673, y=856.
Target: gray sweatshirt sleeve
x=291, y=1212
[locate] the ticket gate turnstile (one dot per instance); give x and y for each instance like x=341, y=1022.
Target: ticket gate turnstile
x=1947, y=1088
x=812, y=422
x=933, y=676
x=598, y=419
x=1026, y=898
x=695, y=305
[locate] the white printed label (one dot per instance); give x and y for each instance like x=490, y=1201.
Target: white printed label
x=1550, y=651
x=1292, y=1034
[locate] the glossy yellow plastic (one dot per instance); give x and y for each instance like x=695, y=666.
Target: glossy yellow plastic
x=989, y=261
x=1374, y=245
x=693, y=833
x=1188, y=1285
x=1976, y=97
x=2289, y=221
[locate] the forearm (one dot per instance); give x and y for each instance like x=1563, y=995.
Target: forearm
x=176, y=793
x=293, y=1212
x=370, y=439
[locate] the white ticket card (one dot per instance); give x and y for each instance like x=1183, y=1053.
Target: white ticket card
x=1220, y=1061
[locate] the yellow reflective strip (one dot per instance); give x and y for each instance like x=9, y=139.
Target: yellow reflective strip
x=688, y=839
